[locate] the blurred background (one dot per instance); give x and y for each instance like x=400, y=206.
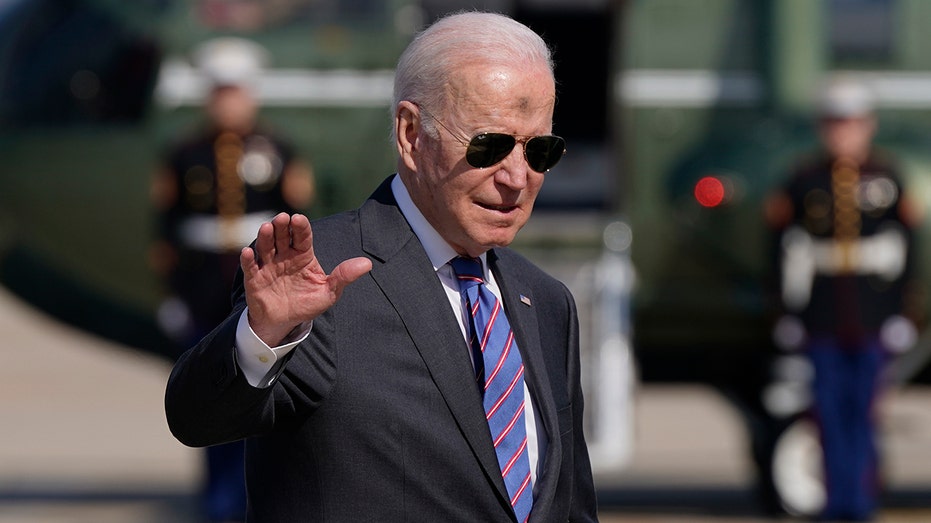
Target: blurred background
x=680, y=115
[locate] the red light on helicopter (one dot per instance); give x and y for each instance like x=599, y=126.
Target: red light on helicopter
x=709, y=191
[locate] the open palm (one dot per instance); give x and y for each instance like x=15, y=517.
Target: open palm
x=284, y=283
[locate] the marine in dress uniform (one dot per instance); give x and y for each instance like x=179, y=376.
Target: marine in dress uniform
x=845, y=233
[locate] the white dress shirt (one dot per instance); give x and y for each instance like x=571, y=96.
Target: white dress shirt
x=256, y=359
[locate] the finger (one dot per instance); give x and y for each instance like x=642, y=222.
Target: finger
x=347, y=272
x=301, y=233
x=265, y=244
x=247, y=261
x=282, y=227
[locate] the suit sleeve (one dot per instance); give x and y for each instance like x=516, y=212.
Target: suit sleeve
x=583, y=505
x=209, y=401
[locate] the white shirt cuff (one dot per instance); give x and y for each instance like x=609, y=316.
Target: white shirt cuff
x=255, y=358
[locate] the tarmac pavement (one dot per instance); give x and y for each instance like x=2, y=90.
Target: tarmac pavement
x=83, y=428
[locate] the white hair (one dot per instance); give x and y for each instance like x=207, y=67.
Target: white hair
x=436, y=53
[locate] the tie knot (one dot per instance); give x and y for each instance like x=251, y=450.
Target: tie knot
x=468, y=271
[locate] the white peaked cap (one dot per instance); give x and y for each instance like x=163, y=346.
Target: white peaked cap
x=845, y=97
x=230, y=60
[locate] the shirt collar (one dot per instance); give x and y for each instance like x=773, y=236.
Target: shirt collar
x=438, y=250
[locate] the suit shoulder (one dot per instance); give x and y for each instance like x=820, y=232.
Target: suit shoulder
x=527, y=269
x=336, y=221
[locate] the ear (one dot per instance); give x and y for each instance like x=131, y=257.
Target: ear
x=407, y=130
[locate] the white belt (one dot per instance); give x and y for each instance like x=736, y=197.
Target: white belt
x=882, y=254
x=209, y=232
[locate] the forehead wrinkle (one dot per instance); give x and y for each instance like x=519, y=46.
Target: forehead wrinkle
x=481, y=99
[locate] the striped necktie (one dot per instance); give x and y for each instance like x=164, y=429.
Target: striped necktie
x=502, y=371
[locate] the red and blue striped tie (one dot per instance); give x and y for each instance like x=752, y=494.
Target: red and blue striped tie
x=501, y=369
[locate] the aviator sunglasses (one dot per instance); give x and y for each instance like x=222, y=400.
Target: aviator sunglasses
x=487, y=149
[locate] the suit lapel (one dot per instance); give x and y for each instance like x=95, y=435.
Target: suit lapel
x=518, y=299
x=407, y=278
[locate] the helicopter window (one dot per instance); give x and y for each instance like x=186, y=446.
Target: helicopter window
x=68, y=62
x=582, y=110
x=860, y=30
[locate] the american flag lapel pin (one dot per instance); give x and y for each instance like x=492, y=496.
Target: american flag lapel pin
x=525, y=300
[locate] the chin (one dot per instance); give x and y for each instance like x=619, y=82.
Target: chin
x=500, y=238
x=487, y=234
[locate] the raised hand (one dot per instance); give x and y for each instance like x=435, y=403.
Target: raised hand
x=285, y=284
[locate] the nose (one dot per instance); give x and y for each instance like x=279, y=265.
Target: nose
x=513, y=170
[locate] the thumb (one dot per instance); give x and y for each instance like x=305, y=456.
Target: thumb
x=347, y=272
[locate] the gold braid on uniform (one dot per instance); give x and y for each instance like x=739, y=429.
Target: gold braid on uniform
x=845, y=180
x=231, y=194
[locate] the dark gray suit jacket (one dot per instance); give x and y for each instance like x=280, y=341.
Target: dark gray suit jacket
x=375, y=417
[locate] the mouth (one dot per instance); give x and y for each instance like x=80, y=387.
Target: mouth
x=498, y=208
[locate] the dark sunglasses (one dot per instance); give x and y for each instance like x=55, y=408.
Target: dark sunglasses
x=487, y=149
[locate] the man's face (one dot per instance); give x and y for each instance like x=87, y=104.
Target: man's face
x=848, y=137
x=475, y=209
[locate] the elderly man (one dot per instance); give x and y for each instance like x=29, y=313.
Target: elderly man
x=397, y=362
